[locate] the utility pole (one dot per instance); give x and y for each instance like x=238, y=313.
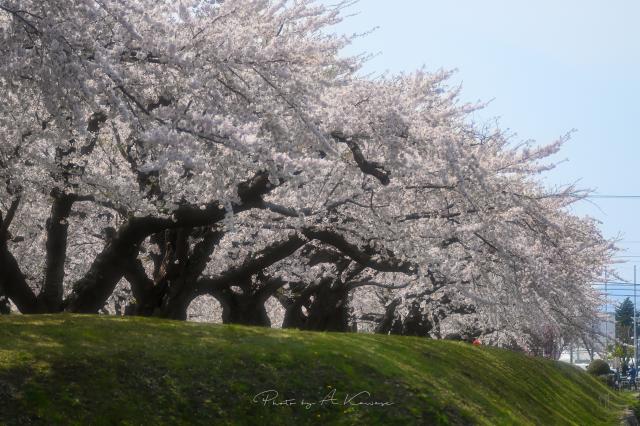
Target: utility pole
x=606, y=314
x=635, y=332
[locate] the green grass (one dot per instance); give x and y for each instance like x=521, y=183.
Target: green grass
x=73, y=369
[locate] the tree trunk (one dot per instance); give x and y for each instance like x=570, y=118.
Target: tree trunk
x=176, y=307
x=92, y=291
x=330, y=309
x=293, y=315
x=417, y=323
x=57, y=232
x=143, y=289
x=14, y=284
x=386, y=323
x=5, y=306
x=12, y=281
x=246, y=309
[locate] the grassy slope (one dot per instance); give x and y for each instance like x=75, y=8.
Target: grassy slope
x=105, y=370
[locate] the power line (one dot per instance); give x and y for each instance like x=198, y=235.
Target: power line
x=615, y=295
x=620, y=288
x=614, y=284
x=614, y=290
x=614, y=196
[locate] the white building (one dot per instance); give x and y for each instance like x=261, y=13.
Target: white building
x=606, y=331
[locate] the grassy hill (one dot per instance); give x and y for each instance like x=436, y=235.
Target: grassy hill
x=73, y=369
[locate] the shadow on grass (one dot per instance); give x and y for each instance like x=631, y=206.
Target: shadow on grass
x=137, y=389
x=71, y=369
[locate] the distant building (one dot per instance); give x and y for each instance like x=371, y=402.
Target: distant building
x=606, y=332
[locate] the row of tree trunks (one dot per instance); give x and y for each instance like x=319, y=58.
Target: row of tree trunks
x=176, y=270
x=176, y=279
x=416, y=323
x=91, y=292
x=424, y=321
x=319, y=307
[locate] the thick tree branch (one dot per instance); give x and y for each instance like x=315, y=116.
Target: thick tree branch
x=13, y=282
x=104, y=203
x=254, y=264
x=4, y=224
x=91, y=292
x=202, y=252
x=278, y=251
x=355, y=284
x=93, y=126
x=270, y=287
x=364, y=256
x=372, y=168
x=141, y=286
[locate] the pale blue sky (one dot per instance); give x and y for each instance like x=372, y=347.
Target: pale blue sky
x=549, y=66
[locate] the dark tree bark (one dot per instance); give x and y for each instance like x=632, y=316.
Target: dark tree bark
x=91, y=292
x=330, y=309
x=252, y=266
x=293, y=315
x=171, y=277
x=176, y=272
x=372, y=168
x=183, y=289
x=142, y=288
x=57, y=231
x=5, y=306
x=176, y=306
x=245, y=308
x=57, y=224
x=417, y=322
x=386, y=323
x=300, y=296
x=171, y=290
x=12, y=280
x=14, y=283
x=365, y=256
x=326, y=303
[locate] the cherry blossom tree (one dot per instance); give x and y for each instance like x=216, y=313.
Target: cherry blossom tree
x=154, y=153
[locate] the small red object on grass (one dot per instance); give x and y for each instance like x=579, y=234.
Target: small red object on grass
x=477, y=342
